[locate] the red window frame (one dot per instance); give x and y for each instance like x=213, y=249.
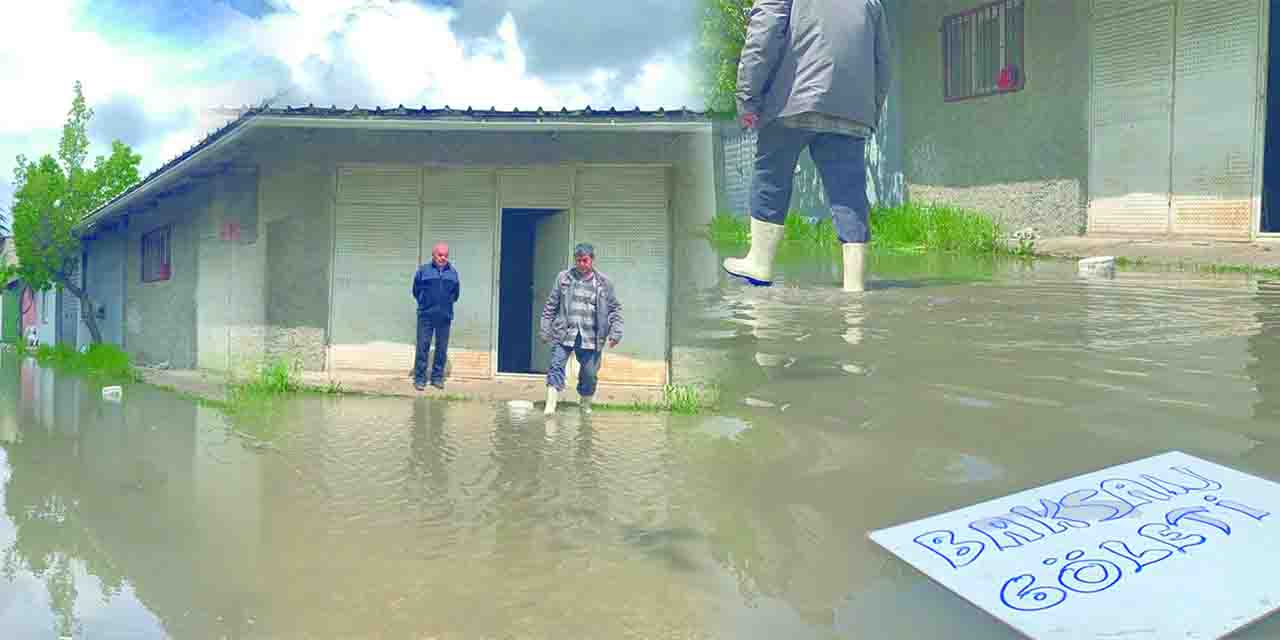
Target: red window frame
x=157, y=264
x=983, y=51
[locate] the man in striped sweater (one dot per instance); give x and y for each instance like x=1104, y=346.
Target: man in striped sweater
x=582, y=315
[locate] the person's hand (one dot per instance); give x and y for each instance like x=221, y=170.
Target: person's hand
x=612, y=343
x=749, y=120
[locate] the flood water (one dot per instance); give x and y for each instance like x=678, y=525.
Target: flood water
x=948, y=384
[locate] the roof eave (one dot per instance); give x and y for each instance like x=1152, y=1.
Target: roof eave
x=411, y=124
x=171, y=175
x=381, y=123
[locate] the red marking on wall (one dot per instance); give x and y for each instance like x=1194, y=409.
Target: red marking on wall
x=230, y=231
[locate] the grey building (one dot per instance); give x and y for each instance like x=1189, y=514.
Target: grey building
x=1107, y=117
x=295, y=232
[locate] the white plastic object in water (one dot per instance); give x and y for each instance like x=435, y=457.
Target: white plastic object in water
x=112, y=393
x=1098, y=265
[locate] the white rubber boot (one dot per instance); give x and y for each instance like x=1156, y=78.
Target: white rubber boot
x=552, y=396
x=757, y=266
x=855, y=255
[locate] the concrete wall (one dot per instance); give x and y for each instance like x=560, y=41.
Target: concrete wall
x=160, y=317
x=1021, y=156
x=298, y=196
x=105, y=284
x=297, y=230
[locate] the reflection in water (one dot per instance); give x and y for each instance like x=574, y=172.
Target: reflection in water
x=389, y=517
x=1264, y=349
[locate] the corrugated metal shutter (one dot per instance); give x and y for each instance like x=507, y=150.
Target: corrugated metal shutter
x=377, y=252
x=622, y=211
x=536, y=187
x=1214, y=119
x=460, y=208
x=1132, y=97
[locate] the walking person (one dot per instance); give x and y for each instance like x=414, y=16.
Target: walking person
x=813, y=73
x=436, y=287
x=581, y=316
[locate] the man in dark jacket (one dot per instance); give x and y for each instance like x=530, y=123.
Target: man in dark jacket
x=436, y=287
x=582, y=315
x=813, y=73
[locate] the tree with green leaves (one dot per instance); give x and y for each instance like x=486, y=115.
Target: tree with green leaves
x=53, y=195
x=722, y=33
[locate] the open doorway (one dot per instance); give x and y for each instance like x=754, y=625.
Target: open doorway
x=1271, y=144
x=535, y=246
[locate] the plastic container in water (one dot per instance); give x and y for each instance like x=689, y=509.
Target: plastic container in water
x=1097, y=266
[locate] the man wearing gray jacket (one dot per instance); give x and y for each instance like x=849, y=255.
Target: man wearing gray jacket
x=813, y=73
x=581, y=315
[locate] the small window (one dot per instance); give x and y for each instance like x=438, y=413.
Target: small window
x=982, y=51
x=155, y=255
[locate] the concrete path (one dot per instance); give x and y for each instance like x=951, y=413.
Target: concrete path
x=1258, y=255
x=212, y=386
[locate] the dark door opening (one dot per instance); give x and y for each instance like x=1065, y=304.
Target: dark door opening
x=1270, y=222
x=534, y=248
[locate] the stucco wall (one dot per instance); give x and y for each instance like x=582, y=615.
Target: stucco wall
x=229, y=295
x=297, y=220
x=1021, y=156
x=105, y=283
x=160, y=317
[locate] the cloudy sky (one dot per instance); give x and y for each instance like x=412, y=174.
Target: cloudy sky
x=151, y=68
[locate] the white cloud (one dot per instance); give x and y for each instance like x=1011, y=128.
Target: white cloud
x=340, y=52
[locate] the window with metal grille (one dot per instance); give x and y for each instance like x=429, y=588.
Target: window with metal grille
x=982, y=51
x=155, y=255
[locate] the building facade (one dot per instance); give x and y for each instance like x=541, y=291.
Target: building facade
x=1107, y=117
x=295, y=233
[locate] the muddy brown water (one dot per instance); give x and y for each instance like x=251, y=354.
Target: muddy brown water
x=950, y=383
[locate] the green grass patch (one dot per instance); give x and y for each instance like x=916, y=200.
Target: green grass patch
x=908, y=228
x=681, y=399
x=100, y=361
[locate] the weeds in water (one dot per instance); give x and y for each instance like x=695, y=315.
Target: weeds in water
x=907, y=228
x=729, y=229
x=99, y=361
x=682, y=399
x=935, y=228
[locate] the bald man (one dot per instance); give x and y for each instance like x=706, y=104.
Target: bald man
x=436, y=287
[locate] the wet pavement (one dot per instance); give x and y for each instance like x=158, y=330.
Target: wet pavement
x=951, y=382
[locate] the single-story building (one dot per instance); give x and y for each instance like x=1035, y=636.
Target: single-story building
x=296, y=232
x=1106, y=117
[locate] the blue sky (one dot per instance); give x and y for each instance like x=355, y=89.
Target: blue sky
x=151, y=69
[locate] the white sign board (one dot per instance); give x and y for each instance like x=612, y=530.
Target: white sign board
x=1171, y=546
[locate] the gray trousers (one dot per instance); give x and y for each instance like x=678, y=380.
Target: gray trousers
x=841, y=163
x=588, y=366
